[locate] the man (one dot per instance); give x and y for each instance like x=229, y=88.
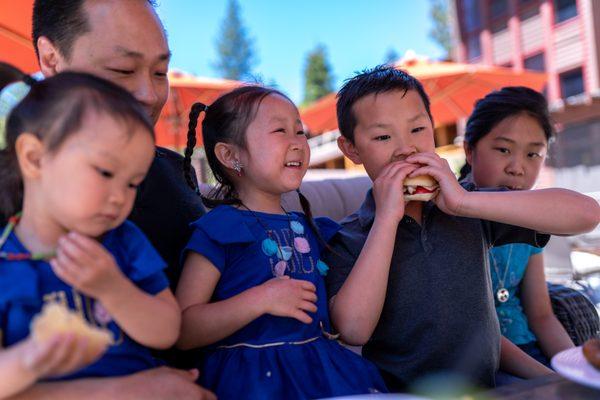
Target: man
x=124, y=41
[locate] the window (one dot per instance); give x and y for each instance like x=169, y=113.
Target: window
x=498, y=8
x=471, y=15
x=529, y=12
x=571, y=83
x=572, y=146
x=535, y=63
x=564, y=9
x=473, y=47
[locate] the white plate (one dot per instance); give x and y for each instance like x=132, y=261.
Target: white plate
x=572, y=365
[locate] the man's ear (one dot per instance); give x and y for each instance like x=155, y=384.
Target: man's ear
x=349, y=149
x=50, y=59
x=227, y=154
x=29, y=149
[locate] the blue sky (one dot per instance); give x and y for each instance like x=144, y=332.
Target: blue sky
x=356, y=33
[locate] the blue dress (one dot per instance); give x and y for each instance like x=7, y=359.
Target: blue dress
x=26, y=285
x=275, y=357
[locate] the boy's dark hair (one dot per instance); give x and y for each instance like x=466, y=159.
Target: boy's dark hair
x=507, y=102
x=61, y=21
x=53, y=110
x=226, y=121
x=380, y=79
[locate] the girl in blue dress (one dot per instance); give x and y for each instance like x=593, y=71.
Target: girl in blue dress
x=506, y=142
x=252, y=289
x=77, y=147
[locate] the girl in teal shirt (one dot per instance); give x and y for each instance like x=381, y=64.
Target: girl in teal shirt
x=506, y=142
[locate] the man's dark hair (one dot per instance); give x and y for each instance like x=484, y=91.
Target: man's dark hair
x=61, y=21
x=380, y=79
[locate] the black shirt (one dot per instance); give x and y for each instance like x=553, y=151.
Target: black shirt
x=164, y=208
x=438, y=315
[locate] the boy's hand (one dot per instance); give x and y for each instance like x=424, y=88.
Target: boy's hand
x=61, y=355
x=285, y=297
x=86, y=265
x=388, y=190
x=451, y=196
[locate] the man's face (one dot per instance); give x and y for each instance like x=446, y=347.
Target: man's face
x=126, y=44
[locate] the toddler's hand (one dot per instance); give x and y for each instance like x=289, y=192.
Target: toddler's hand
x=86, y=265
x=61, y=355
x=451, y=195
x=285, y=297
x=388, y=190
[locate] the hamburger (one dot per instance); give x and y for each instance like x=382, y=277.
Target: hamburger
x=420, y=188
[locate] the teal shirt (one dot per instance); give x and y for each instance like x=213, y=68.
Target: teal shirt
x=508, y=263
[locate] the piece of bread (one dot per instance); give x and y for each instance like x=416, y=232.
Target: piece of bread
x=421, y=180
x=591, y=352
x=425, y=181
x=56, y=318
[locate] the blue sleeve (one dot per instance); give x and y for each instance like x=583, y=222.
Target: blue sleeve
x=535, y=250
x=203, y=244
x=140, y=261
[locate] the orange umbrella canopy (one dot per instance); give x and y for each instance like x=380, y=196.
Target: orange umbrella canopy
x=453, y=89
x=185, y=90
x=15, y=35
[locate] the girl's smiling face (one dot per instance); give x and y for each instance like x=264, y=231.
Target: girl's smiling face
x=277, y=153
x=511, y=155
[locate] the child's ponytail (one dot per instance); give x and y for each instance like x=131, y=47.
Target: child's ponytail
x=11, y=186
x=53, y=110
x=11, y=182
x=305, y=204
x=195, y=111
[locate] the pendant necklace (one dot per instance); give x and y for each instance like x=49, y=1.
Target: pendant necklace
x=271, y=247
x=502, y=293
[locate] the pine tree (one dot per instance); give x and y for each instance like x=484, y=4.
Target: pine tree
x=391, y=56
x=235, y=48
x=318, y=79
x=441, y=30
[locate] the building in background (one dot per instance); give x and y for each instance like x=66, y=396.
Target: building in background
x=559, y=37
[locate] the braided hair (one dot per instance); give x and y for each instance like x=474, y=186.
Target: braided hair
x=195, y=111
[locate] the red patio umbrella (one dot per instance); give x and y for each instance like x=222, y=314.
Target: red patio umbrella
x=452, y=88
x=15, y=35
x=185, y=90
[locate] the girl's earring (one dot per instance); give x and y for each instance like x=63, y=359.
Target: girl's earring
x=237, y=167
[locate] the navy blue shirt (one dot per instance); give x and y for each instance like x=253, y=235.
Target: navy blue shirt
x=439, y=313
x=26, y=285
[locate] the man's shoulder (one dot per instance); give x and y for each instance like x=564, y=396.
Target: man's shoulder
x=163, y=152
